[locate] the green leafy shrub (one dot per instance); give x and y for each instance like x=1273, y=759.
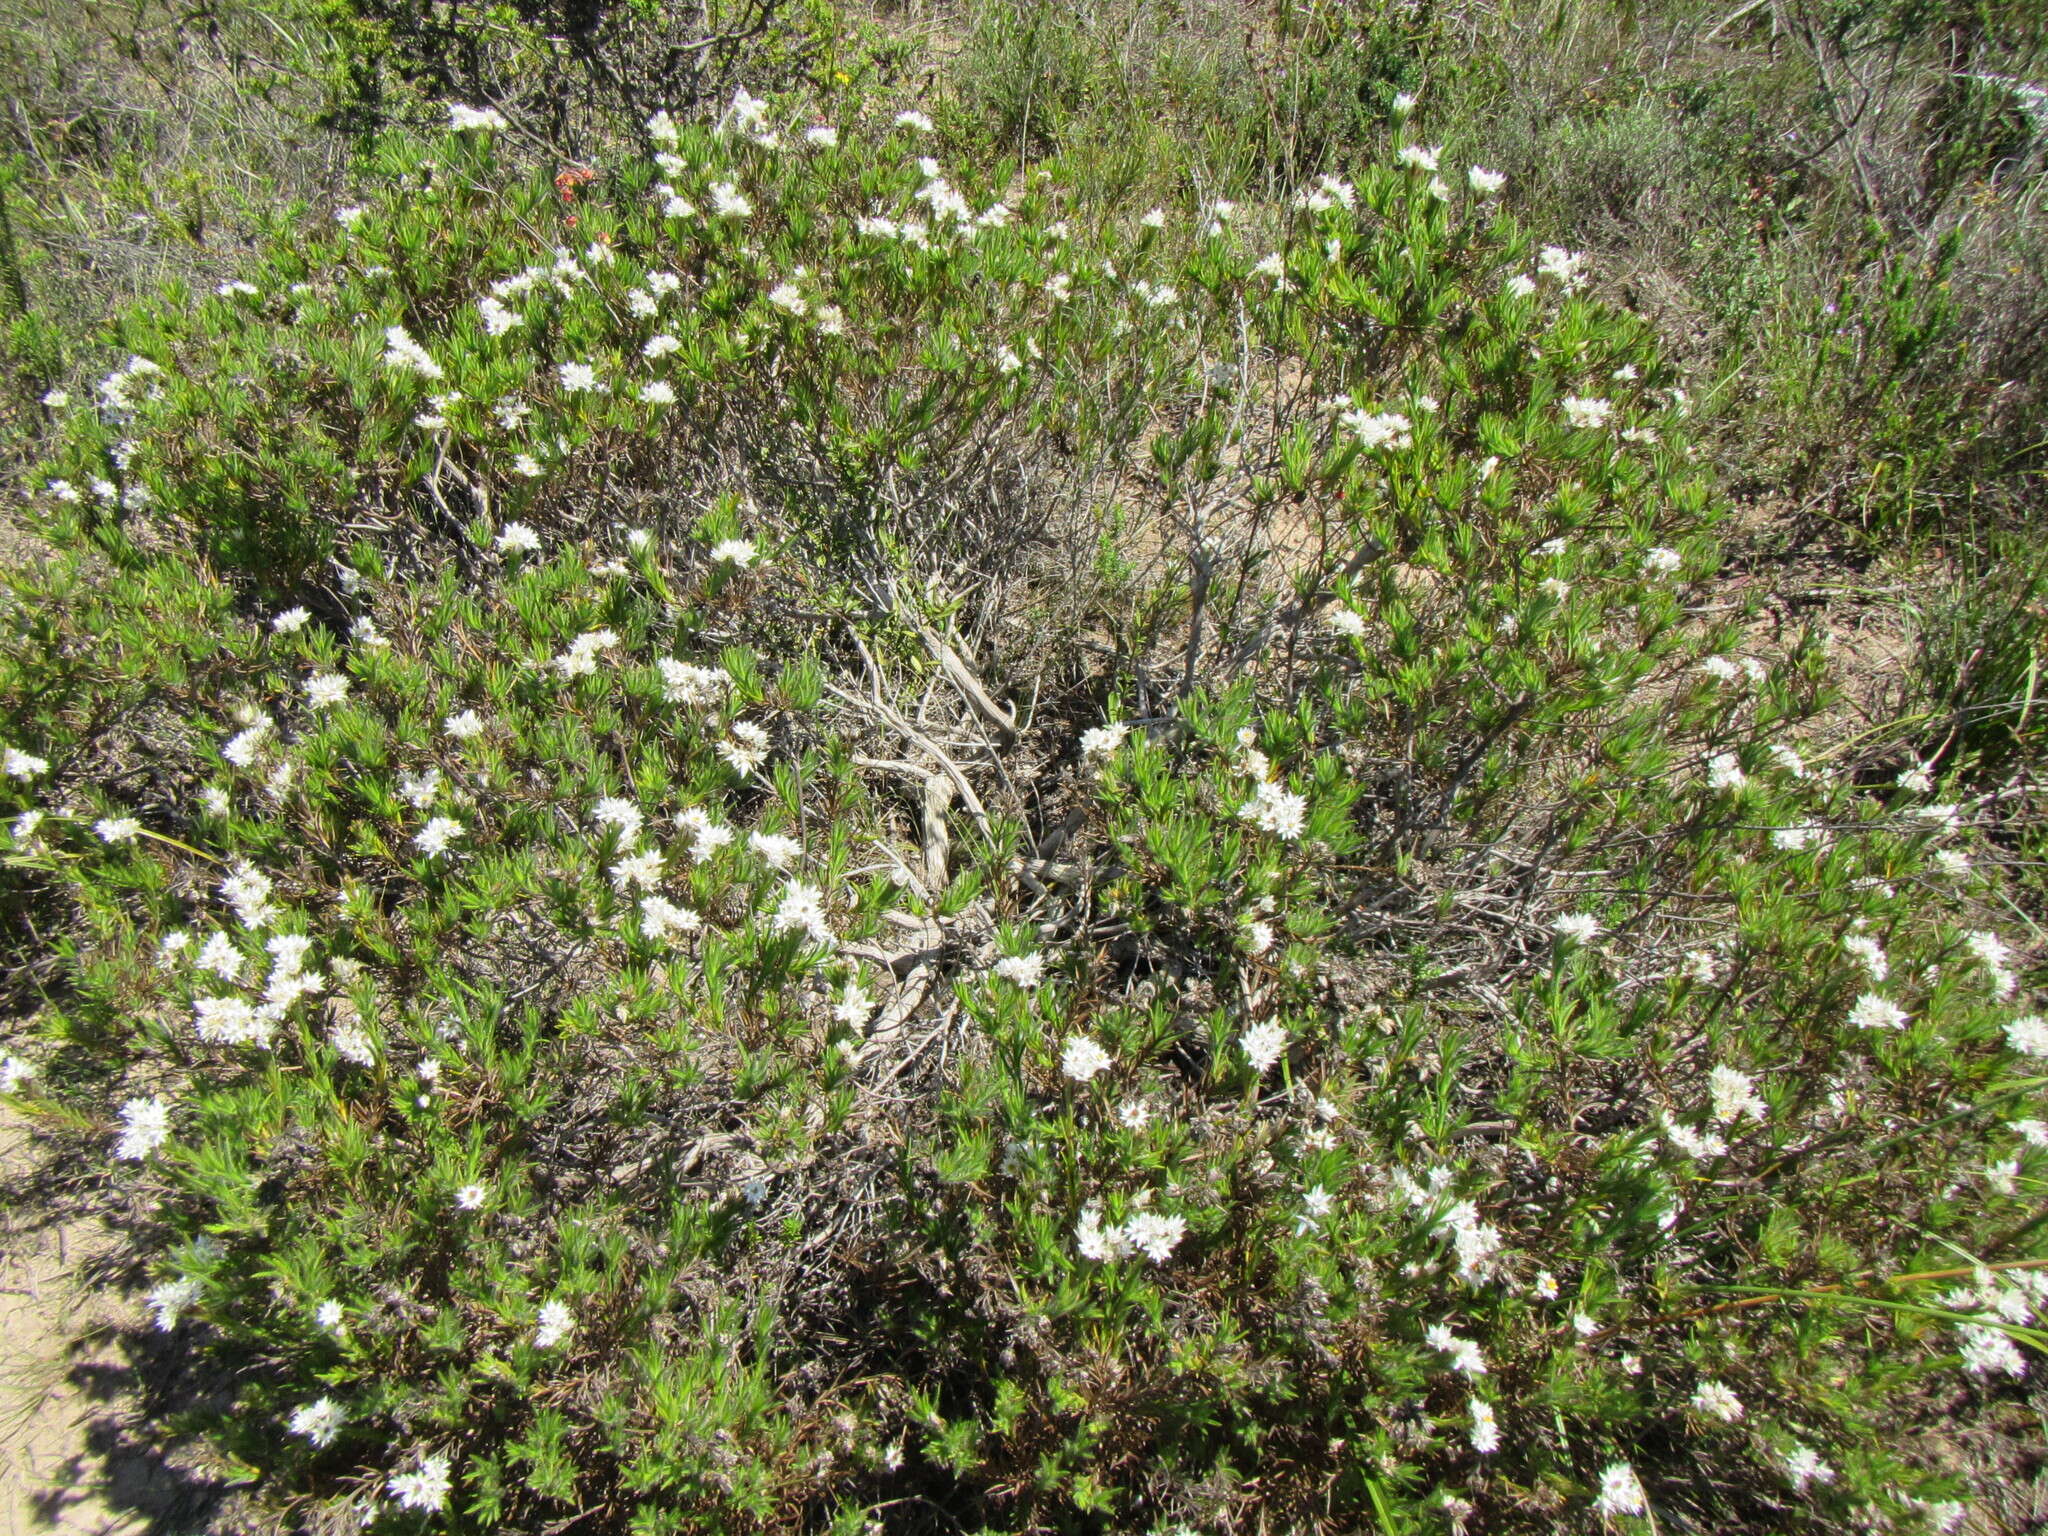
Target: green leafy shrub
x=1422, y=1028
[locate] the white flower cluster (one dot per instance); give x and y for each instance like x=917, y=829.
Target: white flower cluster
x=1149, y=1232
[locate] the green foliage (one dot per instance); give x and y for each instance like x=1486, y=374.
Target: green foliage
x=637, y=1009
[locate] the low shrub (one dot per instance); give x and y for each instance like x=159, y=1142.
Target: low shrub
x=1407, y=1018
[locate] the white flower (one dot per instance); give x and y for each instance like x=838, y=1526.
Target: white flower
x=1732, y=1095
x=642, y=869
x=1101, y=741
x=1134, y=1114
x=1385, y=429
x=329, y=1316
x=661, y=919
x=1916, y=780
x=1466, y=1358
x=117, y=829
x=352, y=1044
x=470, y=1197
x=1587, y=415
x=1874, y=1012
x=916, y=121
x=776, y=852
x=319, y=1421
x=746, y=749
x=418, y=789
x=23, y=765
x=485, y=119
x=464, y=726
x=802, y=910
x=658, y=392
x=578, y=378
x=248, y=891
x=1804, y=1466
x=1870, y=953
x=526, y=464
x=1724, y=772
x=1263, y=1045
x=2029, y=1035
x=517, y=538
x=1621, y=1492
x=1559, y=264
x=613, y=811
x=1486, y=183
x=496, y=317
x=289, y=622
x=1485, y=1428
x=1988, y=948
x=553, y=1325
x=1273, y=808
x=660, y=346
x=1716, y=1401
x=1787, y=759
x=426, y=1489
x=1416, y=158
x=1344, y=621
x=737, y=552
x=1661, y=561
x=1990, y=1351
x=1697, y=1145
x=822, y=136
x=401, y=351
x=173, y=1299
x=433, y=839
x=1024, y=971
x=325, y=689
x=1154, y=1234
x=220, y=956
x=683, y=683
x=145, y=1126
x=787, y=297
x=1084, y=1058
x=14, y=1072
x=706, y=836
x=727, y=201
x=855, y=1006
x=579, y=658
x=1544, y=1288
x=1579, y=927
x=1795, y=839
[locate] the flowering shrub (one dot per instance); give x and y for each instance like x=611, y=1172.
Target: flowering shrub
x=1434, y=1029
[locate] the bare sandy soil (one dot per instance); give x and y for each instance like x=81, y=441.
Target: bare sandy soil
x=70, y=1462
